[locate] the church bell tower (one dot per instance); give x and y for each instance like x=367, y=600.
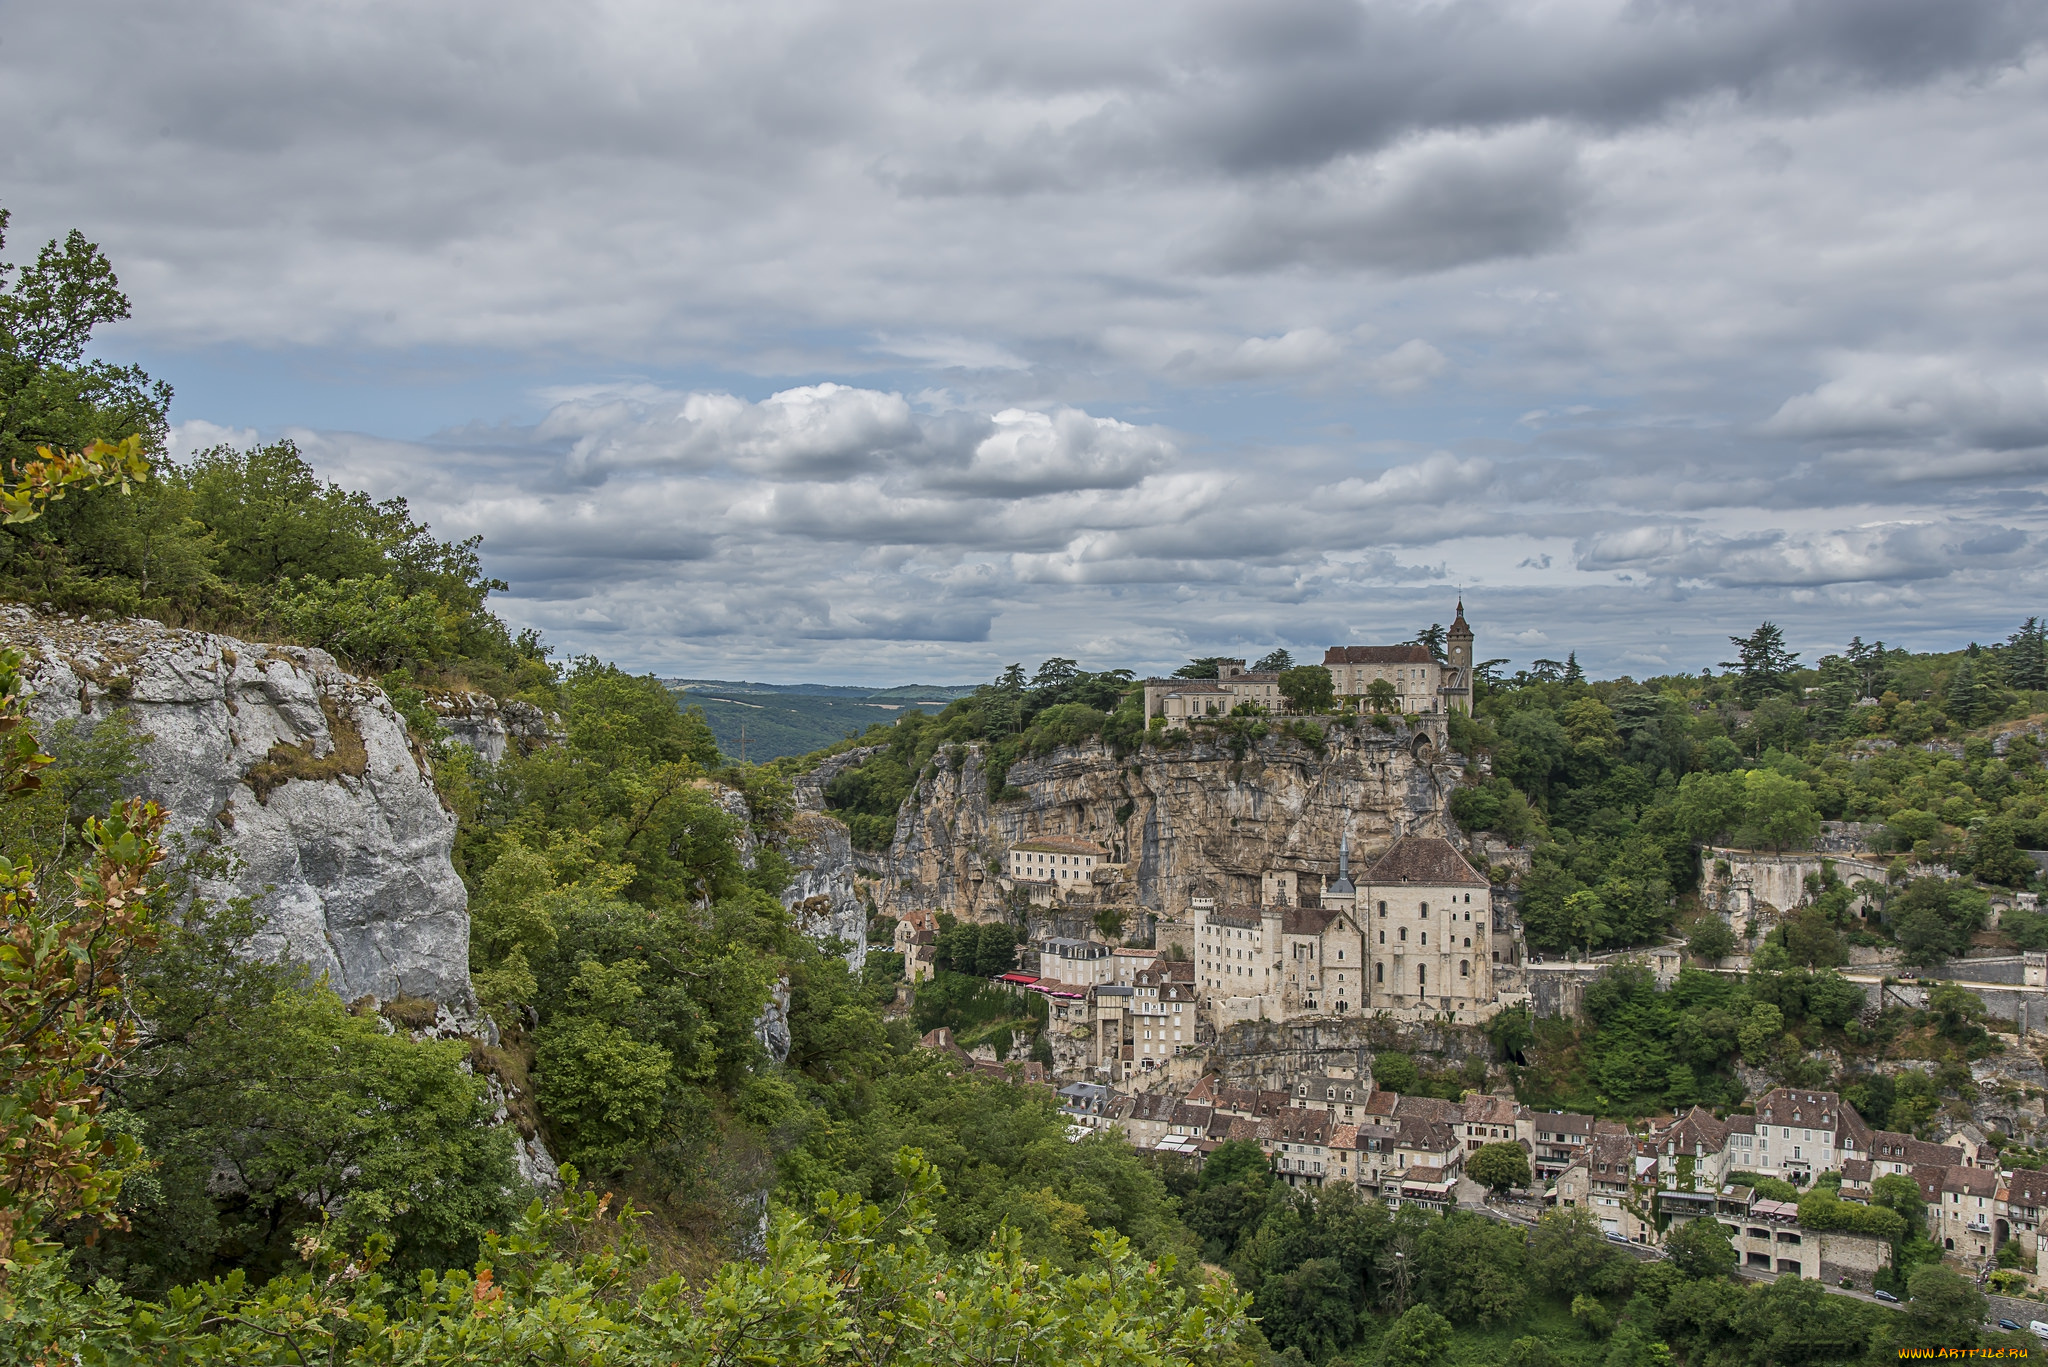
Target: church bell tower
x=1458, y=669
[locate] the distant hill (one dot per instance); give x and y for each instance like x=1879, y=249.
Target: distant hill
x=775, y=720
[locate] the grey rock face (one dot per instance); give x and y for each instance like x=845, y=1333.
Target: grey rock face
x=491, y=728
x=301, y=774
x=772, y=1029
x=821, y=897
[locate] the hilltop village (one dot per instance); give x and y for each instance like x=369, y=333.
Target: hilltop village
x=1253, y=1003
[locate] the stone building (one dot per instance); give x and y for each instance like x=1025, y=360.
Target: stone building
x=1415, y=938
x=1179, y=699
x=1420, y=682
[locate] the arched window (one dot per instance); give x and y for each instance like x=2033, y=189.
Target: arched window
x=1424, y=911
x=1383, y=908
x=1404, y=932
x=1422, y=975
x=1379, y=973
x=1464, y=968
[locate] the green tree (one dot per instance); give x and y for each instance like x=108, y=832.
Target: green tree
x=1499, y=1166
x=1762, y=661
x=1711, y=938
x=605, y=1086
x=1778, y=811
x=1420, y=1338
x=1432, y=638
x=1965, y=699
x=1308, y=688
x=1943, y=1309
x=1393, y=1071
x=1710, y=807
x=1761, y=1032
x=2026, y=655
x=1934, y=918
x=1700, y=1248
x=1309, y=1308
x=1994, y=855
x=1472, y=1267
x=1381, y=696
x=1276, y=661
x=1569, y=1255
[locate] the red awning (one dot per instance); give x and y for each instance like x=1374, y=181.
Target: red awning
x=1017, y=978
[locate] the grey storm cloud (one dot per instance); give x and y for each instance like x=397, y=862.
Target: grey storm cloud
x=914, y=337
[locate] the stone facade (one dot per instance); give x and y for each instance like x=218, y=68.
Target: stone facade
x=1416, y=938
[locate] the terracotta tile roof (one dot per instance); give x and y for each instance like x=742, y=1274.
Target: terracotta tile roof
x=1696, y=1131
x=1060, y=844
x=1856, y=1170
x=1432, y=1108
x=1304, y=1126
x=1889, y=1146
x=1430, y=860
x=1414, y=653
x=1430, y=1136
x=1204, y=1088
x=1344, y=1137
x=1156, y=1107
x=1969, y=1181
x=1928, y=1178
x=2029, y=1187
x=1246, y=1127
x=1382, y=1103
x=1488, y=1109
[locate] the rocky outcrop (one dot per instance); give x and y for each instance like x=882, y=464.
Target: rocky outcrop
x=300, y=774
x=822, y=897
x=1173, y=817
x=808, y=789
x=771, y=1028
x=493, y=729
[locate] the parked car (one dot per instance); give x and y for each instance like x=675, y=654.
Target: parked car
x=1886, y=1296
x=1616, y=1239
x=2010, y=1326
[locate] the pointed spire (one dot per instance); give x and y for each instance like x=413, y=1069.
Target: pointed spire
x=1342, y=887
x=1458, y=627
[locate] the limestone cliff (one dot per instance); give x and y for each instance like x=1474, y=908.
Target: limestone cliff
x=301, y=774
x=491, y=728
x=822, y=896
x=1173, y=819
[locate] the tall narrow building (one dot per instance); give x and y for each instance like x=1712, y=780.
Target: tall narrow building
x=1457, y=673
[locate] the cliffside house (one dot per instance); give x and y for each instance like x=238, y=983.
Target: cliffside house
x=1054, y=859
x=916, y=938
x=1076, y=963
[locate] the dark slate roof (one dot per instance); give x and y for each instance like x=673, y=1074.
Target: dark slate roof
x=1304, y=921
x=1427, y=859
x=1414, y=653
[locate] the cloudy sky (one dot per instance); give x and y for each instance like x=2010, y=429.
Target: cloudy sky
x=898, y=341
